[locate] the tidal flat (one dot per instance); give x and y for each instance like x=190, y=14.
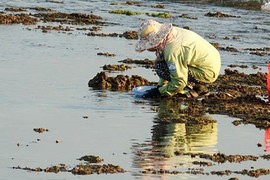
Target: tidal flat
x=55, y=124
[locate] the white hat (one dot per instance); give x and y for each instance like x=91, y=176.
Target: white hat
x=150, y=34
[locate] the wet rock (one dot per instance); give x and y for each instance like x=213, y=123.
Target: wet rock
x=254, y=67
x=234, y=178
x=127, y=34
x=132, y=3
x=186, y=27
x=18, y=19
x=236, y=122
x=238, y=95
x=235, y=65
x=93, y=28
x=125, y=12
x=84, y=169
x=46, y=29
x=130, y=35
x=160, y=171
x=56, y=169
x=254, y=173
x=15, y=9
x=91, y=159
x=23, y=9
x=221, y=173
x=105, y=54
x=160, y=15
x=266, y=156
x=230, y=49
x=103, y=34
x=120, y=82
x=222, y=158
x=40, y=130
x=128, y=3
x=187, y=16
x=72, y=18
x=159, y=6
x=28, y=168
x=55, y=1
x=120, y=67
x=80, y=169
x=259, y=51
x=219, y=14
x=145, y=63
x=52, y=169
x=164, y=171
x=216, y=45
x=202, y=163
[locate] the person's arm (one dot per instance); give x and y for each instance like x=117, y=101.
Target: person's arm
x=178, y=73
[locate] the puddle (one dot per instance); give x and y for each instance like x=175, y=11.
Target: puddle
x=44, y=84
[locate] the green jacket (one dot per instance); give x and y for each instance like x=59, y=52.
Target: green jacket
x=189, y=51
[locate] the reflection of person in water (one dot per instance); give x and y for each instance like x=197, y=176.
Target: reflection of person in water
x=186, y=138
x=169, y=137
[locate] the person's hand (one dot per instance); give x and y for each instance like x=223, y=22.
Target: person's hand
x=154, y=92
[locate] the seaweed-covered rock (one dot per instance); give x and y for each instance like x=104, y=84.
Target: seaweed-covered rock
x=72, y=18
x=130, y=35
x=40, y=130
x=147, y=63
x=120, y=82
x=240, y=95
x=121, y=67
x=84, y=169
x=91, y=159
x=220, y=14
x=18, y=19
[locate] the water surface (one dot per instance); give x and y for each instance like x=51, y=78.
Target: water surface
x=44, y=80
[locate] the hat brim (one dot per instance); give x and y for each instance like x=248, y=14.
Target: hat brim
x=154, y=39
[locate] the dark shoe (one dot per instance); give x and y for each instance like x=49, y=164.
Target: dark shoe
x=197, y=91
x=200, y=89
x=188, y=93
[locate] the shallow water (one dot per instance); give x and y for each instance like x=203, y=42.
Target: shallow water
x=44, y=80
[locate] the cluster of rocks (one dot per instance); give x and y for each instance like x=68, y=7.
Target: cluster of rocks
x=70, y=18
x=220, y=14
x=252, y=173
x=235, y=94
x=121, y=67
x=91, y=165
x=217, y=158
x=120, y=82
x=222, y=158
x=18, y=19
x=49, y=16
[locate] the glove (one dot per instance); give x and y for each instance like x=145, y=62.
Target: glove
x=152, y=93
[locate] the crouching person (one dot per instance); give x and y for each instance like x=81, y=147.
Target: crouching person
x=185, y=61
